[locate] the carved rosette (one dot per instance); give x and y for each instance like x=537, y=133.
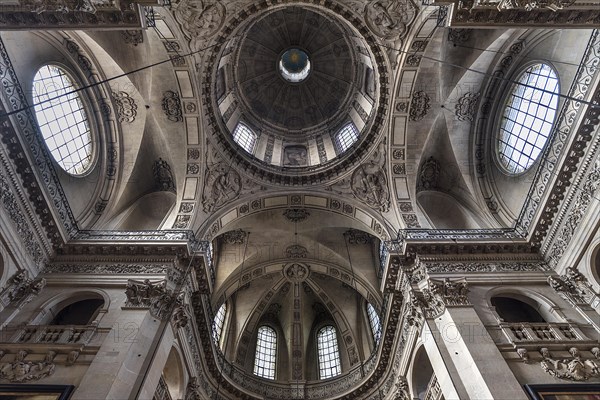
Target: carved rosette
x=296, y=273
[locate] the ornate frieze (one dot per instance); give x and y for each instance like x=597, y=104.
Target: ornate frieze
x=152, y=295
x=575, y=369
x=21, y=289
x=573, y=287
x=20, y=371
x=475, y=266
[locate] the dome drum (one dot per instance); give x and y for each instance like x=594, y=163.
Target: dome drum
x=295, y=122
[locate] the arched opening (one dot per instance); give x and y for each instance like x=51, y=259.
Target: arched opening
x=596, y=265
x=328, y=352
x=81, y=312
x=173, y=375
x=265, y=358
x=423, y=376
x=512, y=310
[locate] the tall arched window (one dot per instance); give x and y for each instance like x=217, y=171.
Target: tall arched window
x=219, y=322
x=346, y=137
x=266, y=352
x=374, y=322
x=528, y=118
x=244, y=136
x=62, y=119
x=328, y=352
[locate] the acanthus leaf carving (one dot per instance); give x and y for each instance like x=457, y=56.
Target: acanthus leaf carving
x=152, y=295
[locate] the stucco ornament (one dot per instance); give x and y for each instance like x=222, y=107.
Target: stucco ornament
x=573, y=287
x=576, y=369
x=22, y=371
x=369, y=183
x=389, y=19
x=222, y=185
x=199, y=19
x=65, y=6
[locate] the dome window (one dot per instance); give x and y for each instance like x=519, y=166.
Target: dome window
x=244, y=136
x=346, y=137
x=266, y=352
x=62, y=119
x=528, y=118
x=219, y=322
x=328, y=352
x=374, y=322
x=294, y=65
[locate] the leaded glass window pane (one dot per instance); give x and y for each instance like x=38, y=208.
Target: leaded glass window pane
x=244, y=136
x=528, y=118
x=266, y=352
x=219, y=322
x=374, y=322
x=62, y=119
x=328, y=352
x=346, y=137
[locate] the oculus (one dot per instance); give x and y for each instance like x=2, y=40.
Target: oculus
x=294, y=65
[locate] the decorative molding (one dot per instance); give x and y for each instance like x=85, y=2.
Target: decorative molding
x=105, y=269
x=575, y=369
x=163, y=176
x=126, y=107
x=222, y=185
x=419, y=105
x=574, y=288
x=237, y=236
x=296, y=214
x=296, y=251
x=465, y=108
x=354, y=236
x=429, y=175
x=296, y=272
x=171, y=104
x=20, y=371
x=20, y=289
x=484, y=267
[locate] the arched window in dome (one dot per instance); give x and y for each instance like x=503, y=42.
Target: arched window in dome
x=62, y=119
x=328, y=352
x=528, y=118
x=266, y=352
x=219, y=322
x=244, y=136
x=346, y=137
x=374, y=322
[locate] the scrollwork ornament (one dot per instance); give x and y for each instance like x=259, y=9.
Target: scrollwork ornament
x=126, y=107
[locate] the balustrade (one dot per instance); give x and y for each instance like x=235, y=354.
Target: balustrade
x=51, y=334
x=520, y=332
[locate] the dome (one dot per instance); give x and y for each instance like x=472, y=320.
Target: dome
x=296, y=78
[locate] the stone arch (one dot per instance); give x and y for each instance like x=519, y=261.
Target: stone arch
x=222, y=220
x=174, y=373
x=421, y=376
x=541, y=304
x=51, y=307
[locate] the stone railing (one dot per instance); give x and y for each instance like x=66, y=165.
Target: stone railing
x=49, y=334
x=433, y=391
x=521, y=332
x=162, y=390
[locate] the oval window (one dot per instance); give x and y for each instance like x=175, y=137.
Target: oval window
x=528, y=118
x=62, y=119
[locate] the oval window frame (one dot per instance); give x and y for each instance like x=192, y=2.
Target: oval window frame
x=500, y=115
x=88, y=110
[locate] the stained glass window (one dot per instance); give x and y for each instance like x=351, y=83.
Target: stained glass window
x=266, y=352
x=346, y=137
x=328, y=352
x=528, y=118
x=244, y=136
x=62, y=119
